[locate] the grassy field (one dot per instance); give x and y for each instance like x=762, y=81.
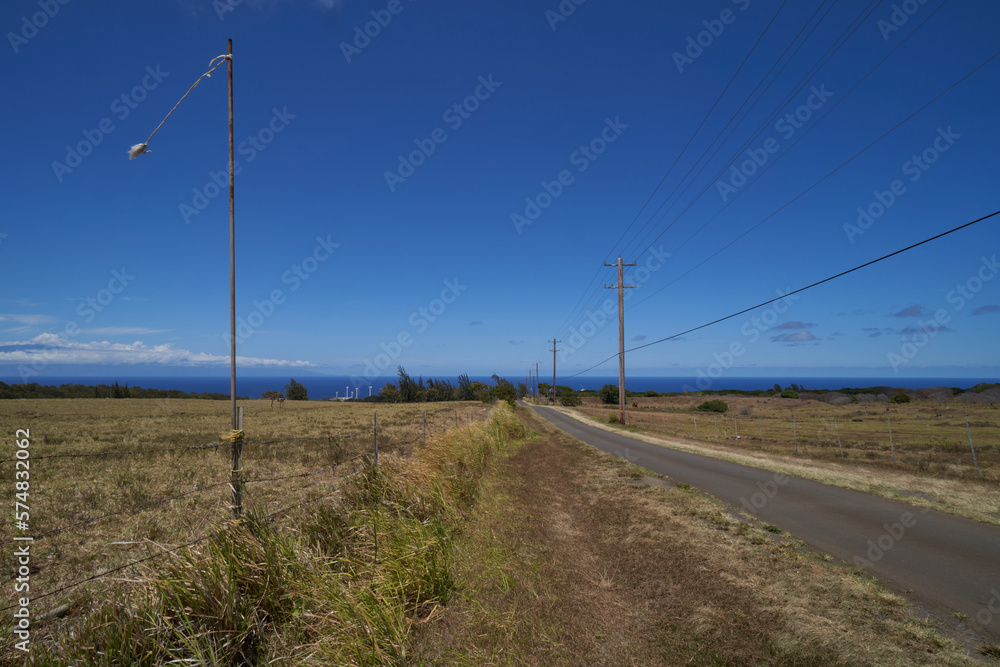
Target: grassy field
x=76, y=486
x=564, y=555
x=927, y=437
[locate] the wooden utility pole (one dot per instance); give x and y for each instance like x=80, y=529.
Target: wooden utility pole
x=236, y=480
x=554, y=350
x=536, y=380
x=621, y=335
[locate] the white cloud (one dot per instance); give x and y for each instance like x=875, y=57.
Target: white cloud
x=26, y=318
x=121, y=331
x=52, y=349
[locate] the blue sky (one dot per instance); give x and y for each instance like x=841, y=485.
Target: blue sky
x=442, y=191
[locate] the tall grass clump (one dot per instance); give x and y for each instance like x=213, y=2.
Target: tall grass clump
x=340, y=582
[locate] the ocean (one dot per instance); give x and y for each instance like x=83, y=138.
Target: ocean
x=333, y=386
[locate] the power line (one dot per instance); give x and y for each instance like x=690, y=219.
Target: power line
x=679, y=155
x=811, y=187
x=797, y=291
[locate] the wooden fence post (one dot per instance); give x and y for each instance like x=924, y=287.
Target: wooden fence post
x=376, y=438
x=761, y=431
x=892, y=446
x=973, y=447
x=838, y=439
x=795, y=435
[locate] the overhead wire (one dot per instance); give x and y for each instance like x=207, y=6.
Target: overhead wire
x=796, y=291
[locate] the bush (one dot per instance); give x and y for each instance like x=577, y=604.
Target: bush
x=651, y=394
x=788, y=393
x=609, y=394
x=900, y=398
x=713, y=406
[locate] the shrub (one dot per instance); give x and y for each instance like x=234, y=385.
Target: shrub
x=900, y=398
x=609, y=394
x=651, y=394
x=788, y=393
x=713, y=406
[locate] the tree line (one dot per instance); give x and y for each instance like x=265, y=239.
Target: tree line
x=406, y=389
x=68, y=390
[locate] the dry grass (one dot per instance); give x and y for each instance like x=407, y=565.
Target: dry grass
x=927, y=473
x=576, y=557
x=68, y=491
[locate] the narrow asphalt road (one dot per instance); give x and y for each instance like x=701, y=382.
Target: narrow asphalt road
x=949, y=563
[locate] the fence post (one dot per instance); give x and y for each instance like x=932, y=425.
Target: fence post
x=695, y=418
x=795, y=435
x=376, y=439
x=892, y=446
x=736, y=428
x=838, y=439
x=973, y=447
x=716, y=422
x=761, y=431
x=236, y=481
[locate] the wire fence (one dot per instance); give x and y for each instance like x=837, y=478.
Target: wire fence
x=127, y=470
x=942, y=445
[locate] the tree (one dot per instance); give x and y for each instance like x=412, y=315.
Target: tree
x=713, y=406
x=543, y=389
x=465, y=389
x=296, y=391
x=777, y=388
x=503, y=391
x=609, y=394
x=409, y=390
x=900, y=398
x=389, y=393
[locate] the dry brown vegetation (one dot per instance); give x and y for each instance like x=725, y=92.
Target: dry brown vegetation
x=135, y=489
x=931, y=467
x=576, y=557
x=928, y=436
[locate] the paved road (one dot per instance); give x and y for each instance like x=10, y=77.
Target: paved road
x=950, y=563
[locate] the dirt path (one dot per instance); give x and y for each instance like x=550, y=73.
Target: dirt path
x=575, y=557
